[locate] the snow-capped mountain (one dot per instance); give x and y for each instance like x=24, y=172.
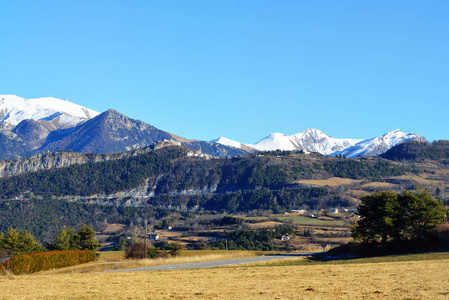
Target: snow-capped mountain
x=313, y=140
x=230, y=143
x=61, y=113
x=227, y=142
x=309, y=140
x=379, y=145
x=30, y=126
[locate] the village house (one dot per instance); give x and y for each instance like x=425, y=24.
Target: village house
x=154, y=236
x=334, y=210
x=285, y=237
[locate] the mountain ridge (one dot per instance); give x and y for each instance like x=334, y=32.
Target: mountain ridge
x=47, y=124
x=314, y=140
x=30, y=126
x=14, y=109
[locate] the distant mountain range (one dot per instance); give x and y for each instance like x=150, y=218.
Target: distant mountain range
x=30, y=126
x=313, y=140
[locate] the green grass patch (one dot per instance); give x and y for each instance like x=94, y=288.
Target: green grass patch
x=310, y=221
x=298, y=220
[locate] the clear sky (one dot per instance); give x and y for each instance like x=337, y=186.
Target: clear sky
x=238, y=69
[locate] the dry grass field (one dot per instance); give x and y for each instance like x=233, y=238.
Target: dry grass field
x=299, y=219
x=334, y=181
x=428, y=279
x=383, y=185
x=267, y=224
x=420, y=180
x=114, y=260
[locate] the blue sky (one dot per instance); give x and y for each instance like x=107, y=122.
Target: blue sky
x=239, y=69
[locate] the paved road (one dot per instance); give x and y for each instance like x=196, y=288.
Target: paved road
x=216, y=263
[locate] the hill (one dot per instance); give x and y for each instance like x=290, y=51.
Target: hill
x=419, y=151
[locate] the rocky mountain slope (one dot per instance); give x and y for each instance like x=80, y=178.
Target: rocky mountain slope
x=47, y=124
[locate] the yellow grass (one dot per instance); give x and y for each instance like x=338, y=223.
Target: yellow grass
x=111, y=261
x=267, y=224
x=114, y=227
x=108, y=256
x=334, y=181
x=394, y=280
x=384, y=185
x=169, y=233
x=420, y=180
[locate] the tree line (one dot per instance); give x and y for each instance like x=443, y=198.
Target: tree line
x=412, y=150
x=389, y=216
x=15, y=242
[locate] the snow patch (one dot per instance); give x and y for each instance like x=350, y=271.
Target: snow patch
x=14, y=109
x=227, y=142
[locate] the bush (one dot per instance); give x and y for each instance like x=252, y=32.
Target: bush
x=153, y=252
x=121, y=245
x=135, y=251
x=35, y=262
x=175, y=249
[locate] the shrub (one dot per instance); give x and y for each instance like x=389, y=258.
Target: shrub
x=175, y=249
x=2, y=269
x=136, y=251
x=443, y=230
x=153, y=252
x=35, y=262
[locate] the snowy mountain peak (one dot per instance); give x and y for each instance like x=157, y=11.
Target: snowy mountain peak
x=276, y=141
x=314, y=140
x=313, y=132
x=309, y=140
x=226, y=142
x=62, y=113
x=379, y=145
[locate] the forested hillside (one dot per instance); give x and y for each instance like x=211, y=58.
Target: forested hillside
x=149, y=184
x=437, y=151
x=171, y=172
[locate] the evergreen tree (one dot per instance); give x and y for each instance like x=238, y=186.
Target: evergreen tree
x=68, y=239
x=87, y=238
x=389, y=216
x=16, y=242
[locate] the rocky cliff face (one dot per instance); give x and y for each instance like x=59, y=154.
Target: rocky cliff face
x=60, y=159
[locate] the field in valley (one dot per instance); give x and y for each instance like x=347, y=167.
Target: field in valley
x=405, y=277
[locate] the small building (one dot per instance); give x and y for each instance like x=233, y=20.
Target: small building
x=285, y=237
x=334, y=210
x=154, y=236
x=299, y=211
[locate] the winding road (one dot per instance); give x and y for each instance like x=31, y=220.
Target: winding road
x=216, y=263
